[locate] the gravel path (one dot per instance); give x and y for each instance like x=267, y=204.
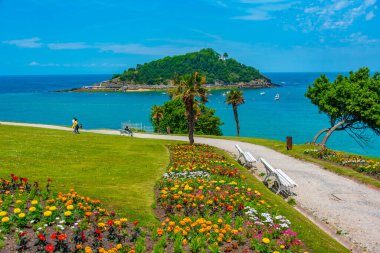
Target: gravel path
x=346, y=207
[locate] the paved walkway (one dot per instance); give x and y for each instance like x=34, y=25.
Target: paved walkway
x=348, y=207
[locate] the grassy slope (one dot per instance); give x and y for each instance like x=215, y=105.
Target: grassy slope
x=121, y=172
x=297, y=152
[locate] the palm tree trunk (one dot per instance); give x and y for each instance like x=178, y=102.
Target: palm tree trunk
x=158, y=124
x=237, y=120
x=323, y=143
x=319, y=134
x=190, y=122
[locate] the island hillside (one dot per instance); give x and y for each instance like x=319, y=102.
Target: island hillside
x=220, y=70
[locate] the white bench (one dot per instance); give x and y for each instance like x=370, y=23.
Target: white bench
x=284, y=182
x=123, y=131
x=247, y=156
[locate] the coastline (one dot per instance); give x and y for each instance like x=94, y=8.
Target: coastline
x=148, y=88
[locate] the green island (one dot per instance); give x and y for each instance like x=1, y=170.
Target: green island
x=221, y=72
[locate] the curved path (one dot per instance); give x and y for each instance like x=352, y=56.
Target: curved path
x=346, y=207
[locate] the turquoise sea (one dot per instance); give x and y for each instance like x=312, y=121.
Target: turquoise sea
x=29, y=99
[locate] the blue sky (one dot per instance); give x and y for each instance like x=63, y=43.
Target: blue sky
x=108, y=36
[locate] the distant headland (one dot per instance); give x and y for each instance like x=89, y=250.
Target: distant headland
x=221, y=72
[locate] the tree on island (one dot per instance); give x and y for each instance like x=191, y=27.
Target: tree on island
x=156, y=115
x=352, y=103
x=189, y=87
x=235, y=98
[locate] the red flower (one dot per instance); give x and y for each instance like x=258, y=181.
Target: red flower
x=97, y=231
x=62, y=237
x=41, y=237
x=53, y=236
x=110, y=222
x=100, y=238
x=49, y=248
x=25, y=179
x=135, y=222
x=23, y=233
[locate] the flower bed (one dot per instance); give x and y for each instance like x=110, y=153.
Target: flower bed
x=203, y=204
x=34, y=221
x=206, y=206
x=358, y=163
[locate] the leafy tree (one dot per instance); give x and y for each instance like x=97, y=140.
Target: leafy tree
x=235, y=98
x=225, y=55
x=157, y=113
x=189, y=87
x=175, y=117
x=352, y=103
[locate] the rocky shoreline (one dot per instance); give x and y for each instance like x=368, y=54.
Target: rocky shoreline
x=116, y=85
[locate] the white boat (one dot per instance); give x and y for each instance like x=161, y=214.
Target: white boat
x=262, y=93
x=277, y=97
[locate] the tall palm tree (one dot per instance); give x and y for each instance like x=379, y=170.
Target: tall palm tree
x=235, y=98
x=189, y=87
x=157, y=114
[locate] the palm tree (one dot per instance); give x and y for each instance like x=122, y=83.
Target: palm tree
x=235, y=98
x=189, y=87
x=157, y=114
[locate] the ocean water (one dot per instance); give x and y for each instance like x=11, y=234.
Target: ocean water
x=30, y=99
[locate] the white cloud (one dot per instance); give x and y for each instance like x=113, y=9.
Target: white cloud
x=337, y=14
x=359, y=38
x=263, y=10
x=25, y=43
x=370, y=15
x=69, y=45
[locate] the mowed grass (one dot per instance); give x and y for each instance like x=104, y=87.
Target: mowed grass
x=298, y=152
x=120, y=171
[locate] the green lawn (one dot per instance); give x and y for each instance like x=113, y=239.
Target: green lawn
x=120, y=171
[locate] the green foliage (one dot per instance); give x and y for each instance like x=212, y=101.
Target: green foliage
x=175, y=117
x=235, y=98
x=207, y=62
x=354, y=100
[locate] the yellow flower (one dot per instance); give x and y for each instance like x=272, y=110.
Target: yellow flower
x=67, y=213
x=5, y=219
x=70, y=207
x=32, y=209
x=34, y=202
x=47, y=213
x=21, y=215
x=101, y=224
x=184, y=241
x=17, y=210
x=52, y=208
x=3, y=213
x=276, y=251
x=265, y=240
x=18, y=201
x=282, y=246
x=119, y=246
x=123, y=219
x=88, y=249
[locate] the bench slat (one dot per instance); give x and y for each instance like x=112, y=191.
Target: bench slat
x=284, y=181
